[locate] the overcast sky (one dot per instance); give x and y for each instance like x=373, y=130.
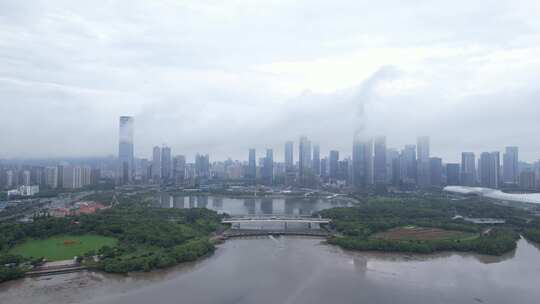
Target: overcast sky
x=223, y=76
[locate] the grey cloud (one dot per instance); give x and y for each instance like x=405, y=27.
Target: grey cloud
x=188, y=72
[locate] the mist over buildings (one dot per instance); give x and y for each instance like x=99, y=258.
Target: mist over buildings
x=220, y=78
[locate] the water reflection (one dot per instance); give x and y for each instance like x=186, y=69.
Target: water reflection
x=250, y=206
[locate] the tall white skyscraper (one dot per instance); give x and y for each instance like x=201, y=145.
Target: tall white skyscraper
x=51, y=177
x=316, y=164
x=304, y=157
x=289, y=156
x=166, y=163
x=422, y=149
x=468, y=169
x=379, y=162
x=125, y=149
x=362, y=161
x=156, y=164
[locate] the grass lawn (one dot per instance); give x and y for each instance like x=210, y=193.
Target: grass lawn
x=423, y=234
x=63, y=247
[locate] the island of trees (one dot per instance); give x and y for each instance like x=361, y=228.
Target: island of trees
x=428, y=225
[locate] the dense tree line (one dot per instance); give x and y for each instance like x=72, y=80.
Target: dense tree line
x=531, y=230
x=497, y=242
x=358, y=224
x=148, y=237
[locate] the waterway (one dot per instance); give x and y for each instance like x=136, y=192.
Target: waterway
x=301, y=270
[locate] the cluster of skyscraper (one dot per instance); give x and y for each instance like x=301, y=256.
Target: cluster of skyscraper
x=48, y=177
x=487, y=171
x=372, y=163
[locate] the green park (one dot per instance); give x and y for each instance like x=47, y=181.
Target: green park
x=63, y=247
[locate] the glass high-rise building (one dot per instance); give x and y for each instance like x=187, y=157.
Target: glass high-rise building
x=510, y=165
x=252, y=165
x=166, y=163
x=379, y=161
x=362, y=162
x=333, y=165
x=289, y=156
x=468, y=169
x=316, y=164
x=125, y=148
x=156, y=164
x=422, y=149
x=304, y=157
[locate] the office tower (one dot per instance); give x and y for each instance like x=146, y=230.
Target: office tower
x=51, y=177
x=396, y=171
x=252, y=165
x=379, y=162
x=423, y=172
x=86, y=176
x=72, y=177
x=179, y=168
x=60, y=176
x=125, y=149
x=37, y=176
x=362, y=162
x=452, y=174
x=268, y=168
x=95, y=176
x=202, y=165
x=304, y=158
x=408, y=164
x=316, y=159
x=156, y=164
x=527, y=179
x=537, y=174
x=435, y=168
x=10, y=179
x=26, y=178
x=391, y=156
x=510, y=165
x=468, y=169
x=333, y=168
x=495, y=170
x=166, y=163
x=489, y=169
x=145, y=170
x=324, y=167
x=344, y=170
x=289, y=156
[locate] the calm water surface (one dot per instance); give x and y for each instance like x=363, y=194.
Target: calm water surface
x=251, y=206
x=301, y=270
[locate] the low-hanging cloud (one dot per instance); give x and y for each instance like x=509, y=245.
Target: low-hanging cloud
x=222, y=77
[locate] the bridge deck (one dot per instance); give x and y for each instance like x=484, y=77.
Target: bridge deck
x=276, y=219
x=248, y=233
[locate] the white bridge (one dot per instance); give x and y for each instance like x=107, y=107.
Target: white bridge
x=275, y=219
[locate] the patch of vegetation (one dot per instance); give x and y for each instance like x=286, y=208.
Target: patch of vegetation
x=358, y=225
x=148, y=238
x=62, y=247
x=412, y=233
